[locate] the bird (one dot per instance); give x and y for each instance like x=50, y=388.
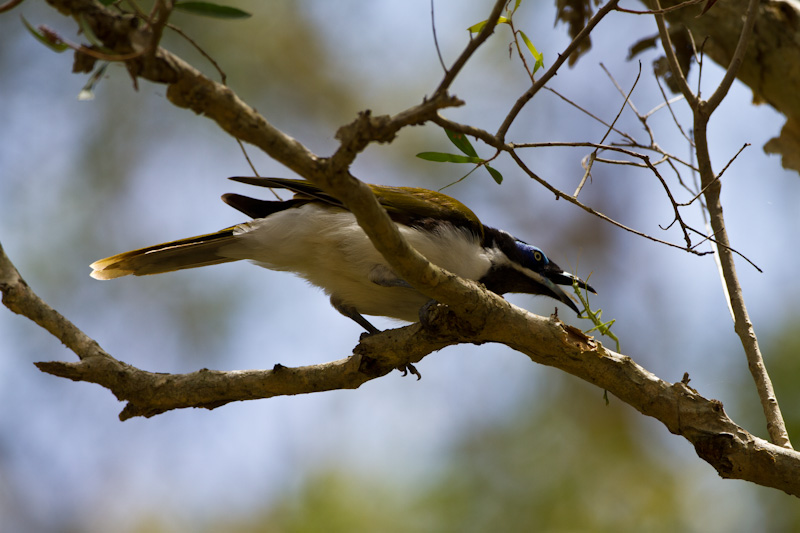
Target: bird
x=316, y=237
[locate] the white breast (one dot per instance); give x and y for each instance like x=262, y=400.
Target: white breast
x=326, y=246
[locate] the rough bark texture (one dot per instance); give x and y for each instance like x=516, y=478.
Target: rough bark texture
x=472, y=313
x=731, y=450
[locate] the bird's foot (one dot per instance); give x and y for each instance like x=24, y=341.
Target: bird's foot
x=408, y=367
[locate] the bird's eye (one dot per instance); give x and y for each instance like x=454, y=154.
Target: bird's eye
x=532, y=253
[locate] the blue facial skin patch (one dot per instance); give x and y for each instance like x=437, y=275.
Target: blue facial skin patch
x=532, y=253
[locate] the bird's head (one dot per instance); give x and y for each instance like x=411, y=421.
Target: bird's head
x=523, y=268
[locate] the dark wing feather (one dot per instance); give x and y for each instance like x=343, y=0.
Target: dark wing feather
x=301, y=188
x=411, y=206
x=257, y=208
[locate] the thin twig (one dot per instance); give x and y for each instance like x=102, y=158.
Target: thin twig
x=659, y=11
x=491, y=140
x=716, y=242
x=737, y=59
x=525, y=98
x=158, y=19
x=253, y=167
x=668, y=102
x=515, y=33
x=223, y=77
x=141, y=14
x=716, y=178
x=632, y=143
x=672, y=59
x=54, y=38
x=590, y=114
x=8, y=6
x=575, y=201
x=474, y=44
x=662, y=105
x=436, y=40
x=626, y=101
x=642, y=118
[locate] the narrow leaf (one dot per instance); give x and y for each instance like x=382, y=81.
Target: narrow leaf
x=476, y=28
x=461, y=142
x=45, y=39
x=495, y=174
x=208, y=9
x=88, y=33
x=441, y=157
x=536, y=54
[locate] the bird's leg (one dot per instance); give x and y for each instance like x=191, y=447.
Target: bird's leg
x=351, y=313
x=408, y=367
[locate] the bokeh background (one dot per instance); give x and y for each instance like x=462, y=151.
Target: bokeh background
x=486, y=439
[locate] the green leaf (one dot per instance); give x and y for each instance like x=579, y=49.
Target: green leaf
x=107, y=2
x=495, y=174
x=476, y=28
x=441, y=157
x=536, y=54
x=45, y=40
x=208, y=9
x=461, y=142
x=88, y=33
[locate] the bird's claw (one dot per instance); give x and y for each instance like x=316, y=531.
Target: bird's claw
x=408, y=367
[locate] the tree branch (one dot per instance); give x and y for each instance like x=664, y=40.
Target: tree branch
x=563, y=56
x=712, y=187
x=474, y=44
x=770, y=67
x=474, y=315
x=731, y=450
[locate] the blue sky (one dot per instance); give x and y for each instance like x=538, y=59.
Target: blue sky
x=62, y=206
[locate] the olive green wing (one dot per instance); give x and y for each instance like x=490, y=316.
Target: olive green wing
x=406, y=205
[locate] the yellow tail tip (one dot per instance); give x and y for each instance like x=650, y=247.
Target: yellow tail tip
x=109, y=274
x=105, y=269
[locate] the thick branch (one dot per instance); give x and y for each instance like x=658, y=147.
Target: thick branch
x=732, y=451
x=476, y=315
x=188, y=87
x=148, y=393
x=19, y=298
x=742, y=324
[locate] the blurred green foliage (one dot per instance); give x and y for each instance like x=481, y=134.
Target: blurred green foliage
x=561, y=460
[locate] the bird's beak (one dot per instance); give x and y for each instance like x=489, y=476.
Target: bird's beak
x=552, y=280
x=559, y=294
x=565, y=278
